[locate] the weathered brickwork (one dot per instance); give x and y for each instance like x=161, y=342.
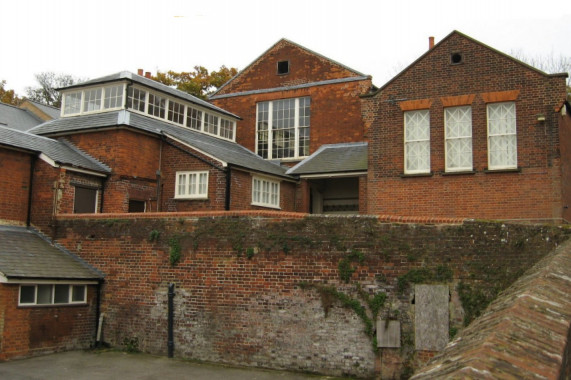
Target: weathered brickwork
x=335, y=113
x=304, y=67
x=484, y=75
x=28, y=331
x=247, y=288
x=134, y=158
x=15, y=185
x=335, y=108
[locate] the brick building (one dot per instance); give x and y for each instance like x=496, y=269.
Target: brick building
x=167, y=150
x=467, y=131
x=293, y=101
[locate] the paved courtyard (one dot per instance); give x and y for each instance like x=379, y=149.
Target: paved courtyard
x=111, y=365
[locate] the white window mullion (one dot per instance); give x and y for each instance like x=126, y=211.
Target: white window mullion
x=270, y=130
x=296, y=128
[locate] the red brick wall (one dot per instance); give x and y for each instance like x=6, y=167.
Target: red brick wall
x=532, y=193
x=28, y=331
x=238, y=295
x=335, y=113
x=14, y=185
x=304, y=67
x=134, y=159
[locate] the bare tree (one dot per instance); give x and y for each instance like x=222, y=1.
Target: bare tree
x=47, y=91
x=549, y=63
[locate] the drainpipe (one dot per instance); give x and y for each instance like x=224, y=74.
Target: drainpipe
x=228, y=186
x=32, y=168
x=159, y=173
x=170, y=343
x=98, y=315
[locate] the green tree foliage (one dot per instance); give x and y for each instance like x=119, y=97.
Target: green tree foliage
x=47, y=91
x=198, y=82
x=8, y=96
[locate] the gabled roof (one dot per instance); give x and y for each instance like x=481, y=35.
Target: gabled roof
x=358, y=74
x=25, y=254
x=17, y=118
x=334, y=159
x=227, y=152
x=134, y=78
x=60, y=151
x=435, y=47
x=51, y=112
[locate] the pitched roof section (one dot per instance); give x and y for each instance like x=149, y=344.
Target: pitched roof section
x=134, y=78
x=41, y=111
x=17, y=118
x=306, y=66
x=25, y=254
x=61, y=152
x=457, y=33
x=334, y=159
x=223, y=150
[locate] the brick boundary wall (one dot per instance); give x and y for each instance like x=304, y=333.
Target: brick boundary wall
x=251, y=286
x=524, y=334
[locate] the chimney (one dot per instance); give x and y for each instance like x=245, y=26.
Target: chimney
x=148, y=74
x=430, y=42
x=140, y=72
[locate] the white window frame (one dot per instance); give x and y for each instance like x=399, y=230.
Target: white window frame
x=456, y=139
x=271, y=130
x=66, y=103
x=52, y=301
x=273, y=192
x=407, y=143
x=205, y=115
x=513, y=135
x=187, y=193
x=106, y=97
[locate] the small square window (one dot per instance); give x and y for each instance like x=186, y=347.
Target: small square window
x=136, y=206
x=61, y=294
x=27, y=294
x=44, y=294
x=283, y=67
x=78, y=293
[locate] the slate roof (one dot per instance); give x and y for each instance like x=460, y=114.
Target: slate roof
x=25, y=254
x=127, y=75
x=17, y=118
x=334, y=159
x=60, y=151
x=224, y=150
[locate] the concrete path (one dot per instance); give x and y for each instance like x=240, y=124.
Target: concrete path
x=111, y=365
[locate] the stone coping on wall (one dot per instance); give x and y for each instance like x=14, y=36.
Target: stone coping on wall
x=523, y=334
x=262, y=214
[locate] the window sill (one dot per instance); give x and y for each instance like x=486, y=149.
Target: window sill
x=514, y=170
x=191, y=199
x=405, y=175
x=51, y=305
x=463, y=172
x=266, y=206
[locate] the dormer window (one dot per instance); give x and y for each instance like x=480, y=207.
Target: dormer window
x=93, y=99
x=283, y=67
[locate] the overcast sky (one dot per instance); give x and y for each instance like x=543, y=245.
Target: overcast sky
x=90, y=39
